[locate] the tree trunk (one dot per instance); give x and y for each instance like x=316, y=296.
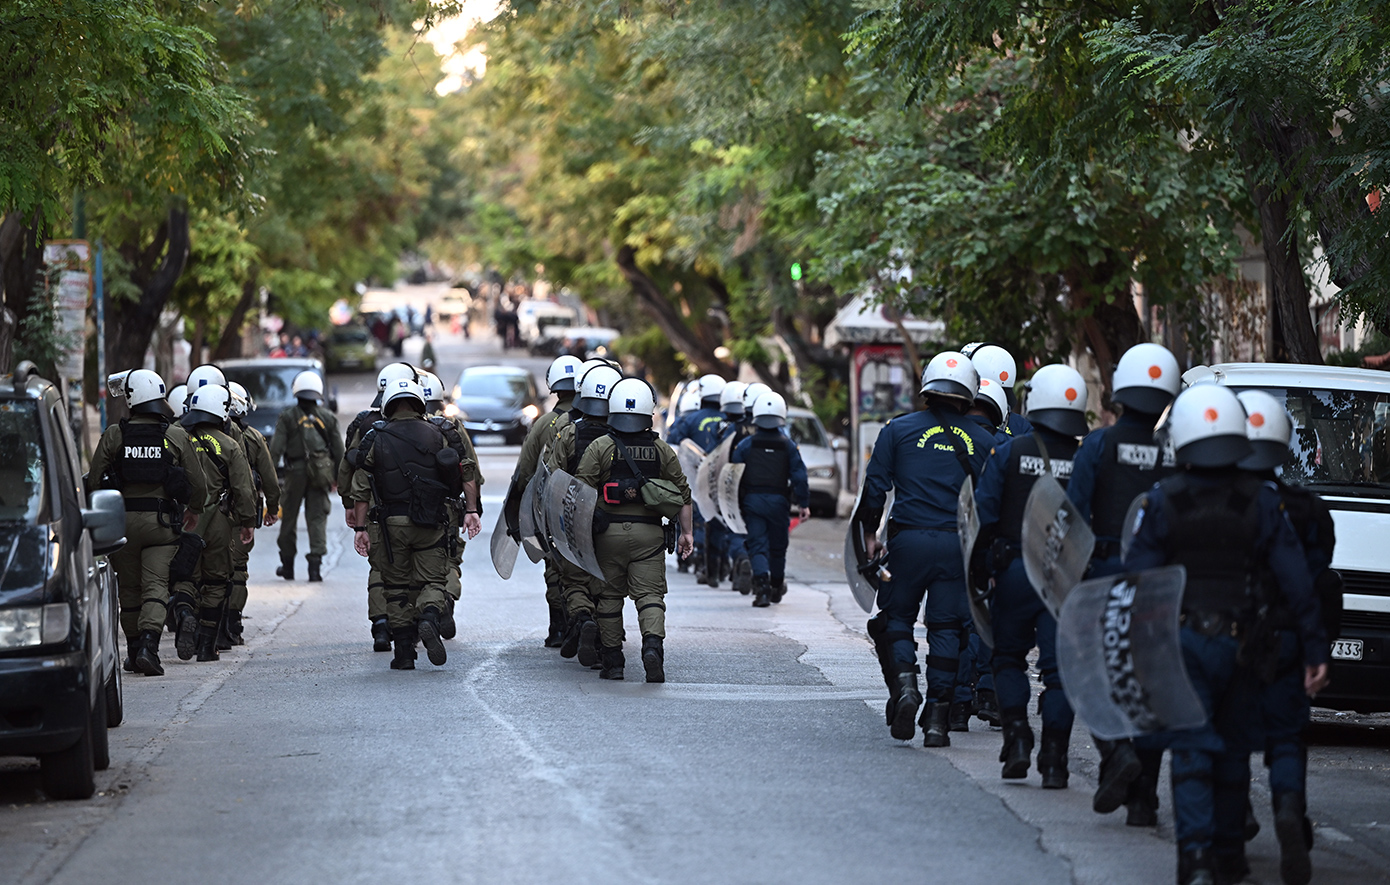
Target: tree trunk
x=1108, y=329
x=1295, y=339
x=229, y=345
x=667, y=318
x=131, y=324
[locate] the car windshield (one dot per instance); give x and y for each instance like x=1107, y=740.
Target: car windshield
x=350, y=335
x=22, y=486
x=268, y=385
x=1340, y=437
x=493, y=385
x=806, y=431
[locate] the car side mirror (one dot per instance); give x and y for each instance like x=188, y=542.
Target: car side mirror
x=105, y=521
x=839, y=443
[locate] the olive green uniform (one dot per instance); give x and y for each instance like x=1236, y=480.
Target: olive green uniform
x=454, y=586
x=376, y=596
x=296, y=443
x=232, y=506
x=542, y=435
x=267, y=487
x=142, y=565
x=578, y=589
x=631, y=554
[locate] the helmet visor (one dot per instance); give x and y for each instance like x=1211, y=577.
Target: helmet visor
x=629, y=422
x=1067, y=422
x=1215, y=451
x=1149, y=400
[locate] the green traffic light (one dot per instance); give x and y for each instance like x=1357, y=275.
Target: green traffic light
x=796, y=270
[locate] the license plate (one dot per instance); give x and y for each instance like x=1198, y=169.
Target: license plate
x=488, y=439
x=1347, y=649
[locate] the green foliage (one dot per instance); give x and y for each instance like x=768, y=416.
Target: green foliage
x=38, y=339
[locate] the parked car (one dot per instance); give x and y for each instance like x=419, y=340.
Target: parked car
x=270, y=383
x=60, y=671
x=820, y=452
x=1341, y=450
x=497, y=403
x=534, y=316
x=350, y=347
x=581, y=341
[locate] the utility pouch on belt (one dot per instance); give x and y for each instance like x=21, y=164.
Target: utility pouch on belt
x=186, y=557
x=623, y=491
x=659, y=495
x=601, y=520
x=427, y=500
x=670, y=530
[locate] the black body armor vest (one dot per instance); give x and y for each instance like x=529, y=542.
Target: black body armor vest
x=1212, y=531
x=405, y=451
x=1130, y=463
x=641, y=448
x=144, y=458
x=1025, y=465
x=585, y=432
x=769, y=465
x=364, y=420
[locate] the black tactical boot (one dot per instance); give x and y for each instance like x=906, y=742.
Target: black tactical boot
x=205, y=644
x=1141, y=805
x=987, y=707
x=1119, y=766
x=1295, y=835
x=936, y=725
x=1052, y=760
x=598, y=657
x=779, y=590
x=314, y=562
x=555, y=633
x=404, y=658
x=381, y=635
x=712, y=569
x=448, y=627
x=1230, y=867
x=570, y=647
x=682, y=566
x=186, y=634
x=587, y=647
x=959, y=719
x=286, y=570
x=1195, y=868
x=905, y=701
x=235, y=629
x=762, y=591
x=1018, y=748
x=653, y=658
x=428, y=629
x=743, y=575
x=147, y=656
x=132, y=648
x=613, y=664
x=224, y=638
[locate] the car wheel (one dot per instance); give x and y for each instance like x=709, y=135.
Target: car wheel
x=69, y=774
x=101, y=745
x=115, y=698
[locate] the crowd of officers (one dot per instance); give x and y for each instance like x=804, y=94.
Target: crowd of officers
x=1256, y=552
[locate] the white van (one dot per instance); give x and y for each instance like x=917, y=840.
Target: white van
x=1341, y=445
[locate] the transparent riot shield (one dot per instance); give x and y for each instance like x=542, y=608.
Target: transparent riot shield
x=503, y=548
x=968, y=527
x=861, y=574
x=1131, y=523
x=569, y=514
x=531, y=519
x=729, y=512
x=1120, y=655
x=1057, y=543
x=690, y=457
x=706, y=488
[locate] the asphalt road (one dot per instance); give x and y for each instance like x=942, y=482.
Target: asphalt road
x=302, y=758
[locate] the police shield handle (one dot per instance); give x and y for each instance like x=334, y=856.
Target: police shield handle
x=1120, y=655
x=503, y=548
x=1057, y=543
x=730, y=476
x=968, y=528
x=866, y=556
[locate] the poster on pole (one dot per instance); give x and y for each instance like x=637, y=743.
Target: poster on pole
x=68, y=282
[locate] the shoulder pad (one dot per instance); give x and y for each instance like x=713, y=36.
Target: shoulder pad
x=379, y=425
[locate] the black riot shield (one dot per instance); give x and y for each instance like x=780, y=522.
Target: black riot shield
x=569, y=514
x=1120, y=656
x=1057, y=543
x=729, y=511
x=968, y=527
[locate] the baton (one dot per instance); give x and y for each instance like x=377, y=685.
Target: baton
x=381, y=521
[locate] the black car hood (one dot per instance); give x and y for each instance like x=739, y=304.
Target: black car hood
x=482, y=408
x=24, y=563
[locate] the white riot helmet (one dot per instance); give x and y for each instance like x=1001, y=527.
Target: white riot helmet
x=951, y=375
x=307, y=385
x=241, y=400
x=178, y=400
x=144, y=391
x=1207, y=427
x=991, y=401
x=564, y=374
x=402, y=389
x=1147, y=379
x=205, y=375
x=630, y=405
x=993, y=362
x=690, y=399
x=1057, y=400
x=751, y=394
x=210, y=404
x=731, y=399
x=393, y=372
x=432, y=386
x=770, y=411
x=594, y=388
x=1269, y=429
x=711, y=386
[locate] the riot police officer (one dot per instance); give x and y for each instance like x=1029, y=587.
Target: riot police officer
x=774, y=475
x=579, y=589
x=563, y=380
x=1114, y=466
x=306, y=436
x=640, y=482
x=1220, y=523
x=1057, y=410
x=456, y=437
x=998, y=365
x=151, y=461
x=926, y=456
x=738, y=423
x=703, y=427
x=231, y=512
x=267, y=488
x=406, y=474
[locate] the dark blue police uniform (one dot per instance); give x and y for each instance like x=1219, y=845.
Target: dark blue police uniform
x=740, y=430
x=1015, y=425
x=704, y=427
x=774, y=476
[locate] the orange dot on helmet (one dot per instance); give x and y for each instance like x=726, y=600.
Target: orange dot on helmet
x=950, y=364
x=1071, y=394
x=1004, y=375
x=1257, y=419
x=1155, y=372
x=1211, y=415
x=984, y=382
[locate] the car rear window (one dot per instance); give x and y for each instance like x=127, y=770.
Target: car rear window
x=1340, y=437
x=23, y=484
x=268, y=385
x=493, y=384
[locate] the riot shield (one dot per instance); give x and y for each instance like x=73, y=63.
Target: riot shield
x=503, y=548
x=861, y=573
x=569, y=514
x=1057, y=543
x=729, y=511
x=1120, y=655
x=968, y=527
x=531, y=518
x=1131, y=524
x=690, y=456
x=706, y=488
